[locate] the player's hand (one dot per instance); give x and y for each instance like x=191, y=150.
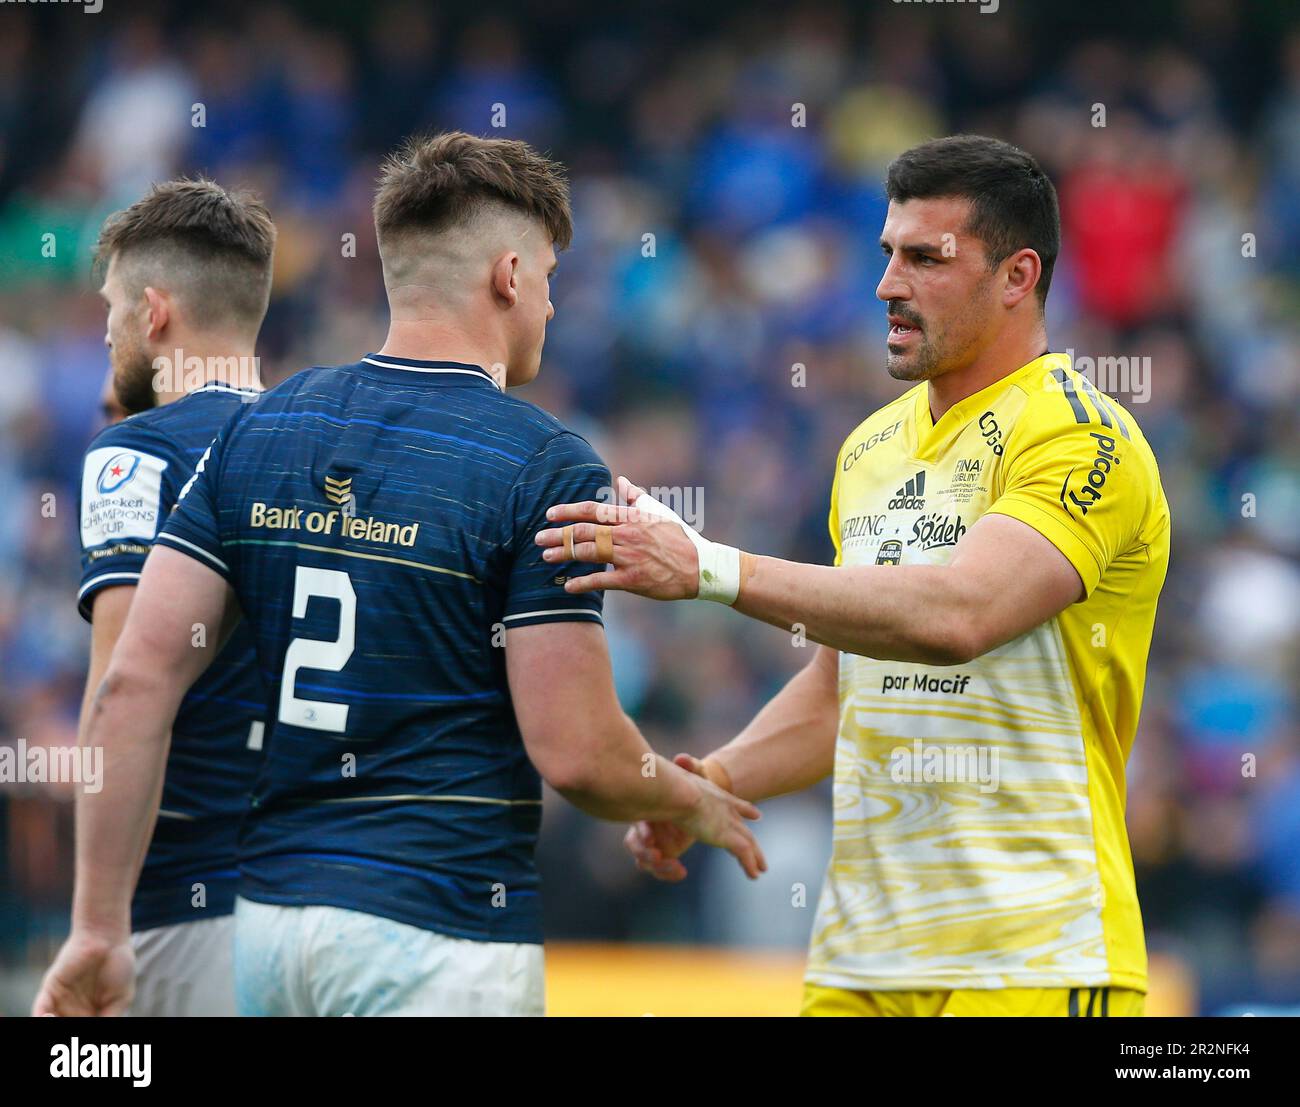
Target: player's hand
x=649, y=555
x=90, y=976
x=719, y=819
x=658, y=846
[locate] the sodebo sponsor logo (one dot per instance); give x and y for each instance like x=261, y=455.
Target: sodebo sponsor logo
x=934, y=530
x=1088, y=495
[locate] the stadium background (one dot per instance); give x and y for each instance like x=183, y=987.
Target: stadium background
x=679, y=367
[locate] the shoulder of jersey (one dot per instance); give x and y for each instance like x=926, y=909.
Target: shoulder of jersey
x=158, y=424
x=310, y=375
x=145, y=431
x=314, y=382
x=1054, y=406
x=539, y=424
x=882, y=418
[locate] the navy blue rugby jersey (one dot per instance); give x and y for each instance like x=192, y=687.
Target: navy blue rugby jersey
x=132, y=477
x=376, y=521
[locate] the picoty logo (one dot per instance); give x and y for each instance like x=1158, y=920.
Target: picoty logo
x=1090, y=493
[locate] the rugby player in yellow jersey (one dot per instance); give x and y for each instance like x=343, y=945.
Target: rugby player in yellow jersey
x=1001, y=539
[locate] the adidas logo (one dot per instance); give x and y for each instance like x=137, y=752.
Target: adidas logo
x=911, y=497
x=338, y=491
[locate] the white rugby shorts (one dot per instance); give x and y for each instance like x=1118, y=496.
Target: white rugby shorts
x=185, y=970
x=327, y=961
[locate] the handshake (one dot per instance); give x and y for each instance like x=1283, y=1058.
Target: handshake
x=718, y=820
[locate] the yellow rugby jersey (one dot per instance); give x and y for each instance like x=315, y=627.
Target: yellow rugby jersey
x=979, y=837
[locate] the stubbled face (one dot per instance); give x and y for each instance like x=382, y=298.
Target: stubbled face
x=110, y=407
x=129, y=352
x=532, y=311
x=939, y=290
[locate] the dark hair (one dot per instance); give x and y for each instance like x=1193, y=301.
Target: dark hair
x=216, y=245
x=1013, y=203
x=441, y=180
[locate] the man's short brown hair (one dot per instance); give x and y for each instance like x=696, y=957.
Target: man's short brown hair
x=211, y=247
x=434, y=182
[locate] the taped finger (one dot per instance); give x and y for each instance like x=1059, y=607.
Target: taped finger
x=605, y=544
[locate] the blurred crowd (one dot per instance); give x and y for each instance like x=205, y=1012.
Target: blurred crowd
x=716, y=329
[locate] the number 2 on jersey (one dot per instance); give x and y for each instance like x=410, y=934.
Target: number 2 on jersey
x=312, y=653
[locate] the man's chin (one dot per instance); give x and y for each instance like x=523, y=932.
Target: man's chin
x=905, y=366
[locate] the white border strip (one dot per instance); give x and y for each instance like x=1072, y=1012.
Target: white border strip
x=221, y=386
x=103, y=577
x=554, y=611
x=192, y=546
x=410, y=798
x=420, y=369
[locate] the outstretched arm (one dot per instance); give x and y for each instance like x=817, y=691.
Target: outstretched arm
x=159, y=654
x=585, y=746
x=1004, y=580
x=789, y=746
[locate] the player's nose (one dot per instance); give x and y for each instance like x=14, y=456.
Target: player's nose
x=891, y=287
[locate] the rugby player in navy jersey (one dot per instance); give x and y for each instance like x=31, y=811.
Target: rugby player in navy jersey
x=374, y=523
x=187, y=275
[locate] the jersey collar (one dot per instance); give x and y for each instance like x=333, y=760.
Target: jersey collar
x=930, y=433
x=411, y=365
x=222, y=386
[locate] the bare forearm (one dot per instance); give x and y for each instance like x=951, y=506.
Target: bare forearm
x=900, y=613
x=622, y=779
x=109, y=609
x=790, y=744
x=153, y=663
x=126, y=720
x=93, y=678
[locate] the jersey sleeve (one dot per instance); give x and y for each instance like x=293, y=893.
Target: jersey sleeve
x=1083, y=488
x=129, y=483
x=565, y=470
x=195, y=526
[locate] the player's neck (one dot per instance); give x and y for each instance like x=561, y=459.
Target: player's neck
x=425, y=340
x=948, y=390
x=198, y=361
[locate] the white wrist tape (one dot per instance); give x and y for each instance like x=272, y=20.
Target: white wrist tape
x=719, y=564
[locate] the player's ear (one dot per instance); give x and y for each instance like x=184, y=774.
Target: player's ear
x=157, y=312
x=1022, y=276
x=505, y=277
